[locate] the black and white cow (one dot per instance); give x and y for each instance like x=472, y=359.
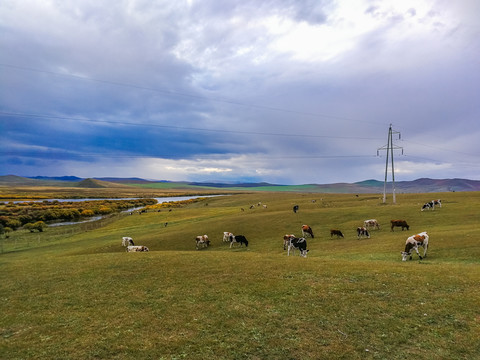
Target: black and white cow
x=127, y=241
x=362, y=231
x=412, y=243
x=295, y=208
x=298, y=244
x=239, y=239
x=136, y=248
x=429, y=205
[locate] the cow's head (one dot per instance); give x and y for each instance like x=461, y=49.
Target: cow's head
x=303, y=253
x=405, y=255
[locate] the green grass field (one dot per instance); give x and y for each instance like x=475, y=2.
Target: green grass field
x=73, y=293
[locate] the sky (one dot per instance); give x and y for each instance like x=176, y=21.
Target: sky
x=285, y=91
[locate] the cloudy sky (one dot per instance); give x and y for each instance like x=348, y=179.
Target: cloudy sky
x=285, y=91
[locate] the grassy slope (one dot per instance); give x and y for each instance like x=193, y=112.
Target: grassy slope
x=80, y=296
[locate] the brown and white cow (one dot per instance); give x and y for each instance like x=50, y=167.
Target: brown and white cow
x=202, y=241
x=299, y=244
x=227, y=236
x=437, y=202
x=362, y=231
x=336, y=232
x=371, y=223
x=286, y=240
x=307, y=230
x=135, y=248
x=412, y=243
x=399, y=223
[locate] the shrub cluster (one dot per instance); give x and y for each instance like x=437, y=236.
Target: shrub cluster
x=15, y=215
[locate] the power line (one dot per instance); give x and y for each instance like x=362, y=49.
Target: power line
x=183, y=94
x=174, y=127
x=213, y=156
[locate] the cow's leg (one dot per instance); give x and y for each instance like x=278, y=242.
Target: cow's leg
x=418, y=253
x=425, y=250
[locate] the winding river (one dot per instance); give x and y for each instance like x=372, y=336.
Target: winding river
x=160, y=200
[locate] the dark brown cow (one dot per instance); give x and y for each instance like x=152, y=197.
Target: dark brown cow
x=399, y=223
x=336, y=232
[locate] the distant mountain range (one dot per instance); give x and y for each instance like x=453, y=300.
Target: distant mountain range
x=423, y=185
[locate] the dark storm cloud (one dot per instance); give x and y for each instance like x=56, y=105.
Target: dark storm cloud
x=281, y=91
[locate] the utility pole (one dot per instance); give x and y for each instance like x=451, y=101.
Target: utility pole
x=390, y=147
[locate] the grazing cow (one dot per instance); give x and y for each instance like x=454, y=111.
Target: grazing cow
x=127, y=241
x=307, y=230
x=371, y=223
x=295, y=208
x=336, y=232
x=299, y=244
x=239, y=239
x=136, y=248
x=412, y=243
x=286, y=240
x=428, y=205
x=361, y=232
x=227, y=236
x=399, y=223
x=202, y=241
x=437, y=202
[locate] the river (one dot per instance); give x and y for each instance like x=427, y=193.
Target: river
x=160, y=200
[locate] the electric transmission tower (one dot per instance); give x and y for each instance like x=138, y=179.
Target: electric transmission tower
x=390, y=147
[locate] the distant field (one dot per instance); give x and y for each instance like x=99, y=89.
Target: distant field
x=73, y=293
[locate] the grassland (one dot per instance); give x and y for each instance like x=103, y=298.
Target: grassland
x=73, y=293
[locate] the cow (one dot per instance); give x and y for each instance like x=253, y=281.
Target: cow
x=295, y=208
x=299, y=244
x=227, y=236
x=136, y=248
x=428, y=205
x=362, y=231
x=371, y=223
x=437, y=202
x=239, y=239
x=412, y=243
x=127, y=241
x=286, y=240
x=202, y=241
x=336, y=232
x=399, y=223
x=307, y=230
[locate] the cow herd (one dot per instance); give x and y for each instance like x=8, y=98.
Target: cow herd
x=291, y=243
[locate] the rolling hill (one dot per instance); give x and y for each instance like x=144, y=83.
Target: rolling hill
x=423, y=185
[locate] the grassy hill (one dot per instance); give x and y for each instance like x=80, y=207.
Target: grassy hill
x=74, y=293
x=424, y=185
